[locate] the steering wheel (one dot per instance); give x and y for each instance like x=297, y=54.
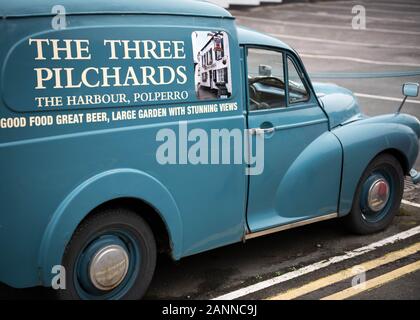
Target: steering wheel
x=253, y=92
x=256, y=80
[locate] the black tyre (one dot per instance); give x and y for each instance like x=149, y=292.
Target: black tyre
x=112, y=255
x=378, y=196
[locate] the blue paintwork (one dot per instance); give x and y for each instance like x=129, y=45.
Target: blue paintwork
x=339, y=103
x=301, y=146
x=21, y=8
x=52, y=177
x=112, y=184
x=248, y=36
x=365, y=139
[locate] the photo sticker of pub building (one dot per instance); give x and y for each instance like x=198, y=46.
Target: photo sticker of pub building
x=212, y=65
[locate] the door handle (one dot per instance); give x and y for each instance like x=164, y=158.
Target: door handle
x=260, y=131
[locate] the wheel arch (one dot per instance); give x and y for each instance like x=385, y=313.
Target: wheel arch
x=129, y=188
x=399, y=155
x=362, y=143
x=146, y=211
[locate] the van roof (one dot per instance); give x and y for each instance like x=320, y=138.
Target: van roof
x=21, y=8
x=251, y=37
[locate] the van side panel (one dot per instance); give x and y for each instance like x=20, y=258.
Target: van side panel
x=53, y=175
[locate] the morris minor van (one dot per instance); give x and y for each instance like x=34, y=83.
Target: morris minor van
x=113, y=124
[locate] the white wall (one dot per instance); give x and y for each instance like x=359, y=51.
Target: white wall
x=245, y=2
x=222, y=3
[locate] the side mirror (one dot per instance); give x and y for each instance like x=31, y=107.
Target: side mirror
x=410, y=89
x=264, y=70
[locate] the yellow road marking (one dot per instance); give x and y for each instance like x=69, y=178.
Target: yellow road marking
x=347, y=273
x=375, y=282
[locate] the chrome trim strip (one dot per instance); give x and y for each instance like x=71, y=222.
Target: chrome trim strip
x=290, y=226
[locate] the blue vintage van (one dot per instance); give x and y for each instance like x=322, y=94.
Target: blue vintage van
x=120, y=125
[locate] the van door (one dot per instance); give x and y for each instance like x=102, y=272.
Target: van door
x=302, y=158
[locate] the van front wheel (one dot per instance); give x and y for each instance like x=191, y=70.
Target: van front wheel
x=112, y=255
x=378, y=196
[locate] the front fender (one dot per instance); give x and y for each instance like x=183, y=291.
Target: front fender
x=362, y=141
x=99, y=189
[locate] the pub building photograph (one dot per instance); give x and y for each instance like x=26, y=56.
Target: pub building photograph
x=212, y=65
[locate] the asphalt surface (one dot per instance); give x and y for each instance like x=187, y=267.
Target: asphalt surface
x=390, y=44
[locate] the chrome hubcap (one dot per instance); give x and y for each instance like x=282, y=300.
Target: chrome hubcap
x=108, y=267
x=378, y=195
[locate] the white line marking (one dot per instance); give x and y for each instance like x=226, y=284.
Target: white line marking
x=347, y=17
x=387, y=4
x=318, y=265
x=377, y=3
x=345, y=43
x=327, y=26
x=352, y=59
x=340, y=3
x=327, y=6
x=409, y=203
x=371, y=96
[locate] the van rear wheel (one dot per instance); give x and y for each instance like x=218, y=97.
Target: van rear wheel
x=378, y=196
x=112, y=255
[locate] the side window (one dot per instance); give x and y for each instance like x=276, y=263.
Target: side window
x=297, y=89
x=265, y=79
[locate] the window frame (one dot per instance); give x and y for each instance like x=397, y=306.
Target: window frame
x=274, y=49
x=309, y=103
x=302, y=77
